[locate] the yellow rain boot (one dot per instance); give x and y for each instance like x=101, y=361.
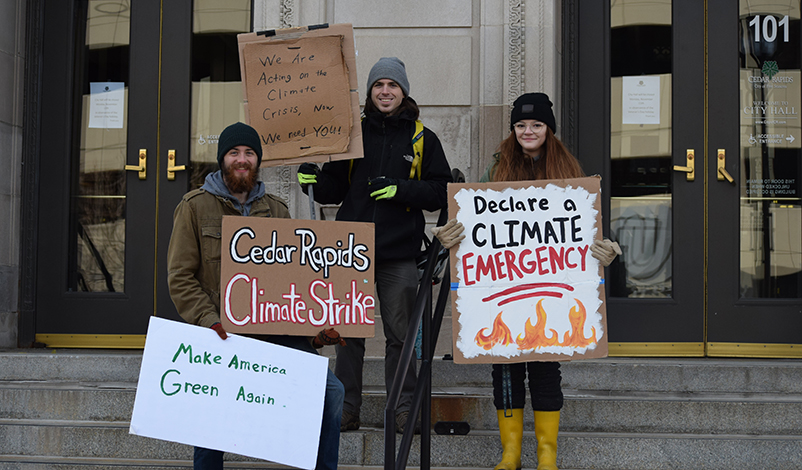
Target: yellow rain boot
x=547, y=423
x=511, y=429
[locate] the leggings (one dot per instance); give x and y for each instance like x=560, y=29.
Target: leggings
x=544, y=385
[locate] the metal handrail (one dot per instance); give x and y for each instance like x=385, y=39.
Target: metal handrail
x=423, y=388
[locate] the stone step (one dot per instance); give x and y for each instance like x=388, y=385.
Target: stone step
x=783, y=376
x=70, y=409
x=648, y=412
x=683, y=396
x=101, y=401
x=21, y=462
x=74, y=365
x=110, y=442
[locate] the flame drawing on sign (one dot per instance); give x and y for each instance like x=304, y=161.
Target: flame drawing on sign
x=500, y=335
x=535, y=337
x=577, y=319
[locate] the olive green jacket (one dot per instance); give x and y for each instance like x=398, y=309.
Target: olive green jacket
x=193, y=257
x=487, y=176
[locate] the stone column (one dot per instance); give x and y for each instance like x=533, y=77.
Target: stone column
x=12, y=65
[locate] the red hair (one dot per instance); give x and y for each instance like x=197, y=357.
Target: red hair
x=555, y=161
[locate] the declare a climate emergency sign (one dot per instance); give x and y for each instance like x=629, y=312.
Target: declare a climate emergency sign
x=524, y=284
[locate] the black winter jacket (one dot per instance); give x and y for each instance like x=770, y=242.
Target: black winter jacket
x=399, y=222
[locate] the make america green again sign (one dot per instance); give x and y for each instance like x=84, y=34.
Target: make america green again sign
x=240, y=395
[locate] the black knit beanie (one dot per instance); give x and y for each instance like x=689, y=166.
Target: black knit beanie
x=238, y=134
x=535, y=106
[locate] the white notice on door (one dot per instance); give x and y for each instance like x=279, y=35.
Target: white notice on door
x=106, y=105
x=640, y=100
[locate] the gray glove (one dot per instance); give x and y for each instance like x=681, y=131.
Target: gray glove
x=605, y=251
x=449, y=234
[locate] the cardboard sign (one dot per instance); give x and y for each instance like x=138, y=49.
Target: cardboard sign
x=240, y=395
x=296, y=277
x=300, y=91
x=526, y=286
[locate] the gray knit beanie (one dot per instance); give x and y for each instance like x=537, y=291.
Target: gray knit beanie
x=391, y=68
x=238, y=134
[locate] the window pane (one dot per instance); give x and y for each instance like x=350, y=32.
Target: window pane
x=97, y=257
x=216, y=85
x=771, y=213
x=640, y=141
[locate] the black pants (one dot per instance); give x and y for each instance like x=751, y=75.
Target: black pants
x=396, y=287
x=544, y=385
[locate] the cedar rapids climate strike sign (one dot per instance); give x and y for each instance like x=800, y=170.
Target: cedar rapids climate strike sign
x=296, y=277
x=526, y=286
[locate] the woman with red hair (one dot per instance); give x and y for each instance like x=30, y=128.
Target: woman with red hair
x=530, y=152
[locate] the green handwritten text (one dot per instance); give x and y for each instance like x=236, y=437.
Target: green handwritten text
x=237, y=364
x=205, y=359
x=196, y=389
x=251, y=398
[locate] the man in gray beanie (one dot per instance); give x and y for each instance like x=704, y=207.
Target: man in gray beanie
x=391, y=68
x=390, y=187
x=193, y=268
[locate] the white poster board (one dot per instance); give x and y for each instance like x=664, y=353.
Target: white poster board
x=240, y=395
x=640, y=100
x=106, y=105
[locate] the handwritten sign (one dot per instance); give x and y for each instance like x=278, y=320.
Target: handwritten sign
x=300, y=91
x=198, y=390
x=527, y=287
x=296, y=277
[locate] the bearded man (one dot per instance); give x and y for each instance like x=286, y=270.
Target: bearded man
x=193, y=269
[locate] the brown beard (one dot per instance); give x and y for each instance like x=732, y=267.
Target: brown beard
x=240, y=184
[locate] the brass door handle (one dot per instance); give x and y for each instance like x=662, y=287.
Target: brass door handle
x=688, y=169
x=143, y=160
x=171, y=168
x=721, y=162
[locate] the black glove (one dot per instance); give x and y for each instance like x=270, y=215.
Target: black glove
x=382, y=188
x=327, y=337
x=308, y=173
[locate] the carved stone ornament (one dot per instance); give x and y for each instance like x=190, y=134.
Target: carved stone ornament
x=278, y=180
x=516, y=64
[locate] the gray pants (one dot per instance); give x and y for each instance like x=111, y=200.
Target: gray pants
x=396, y=287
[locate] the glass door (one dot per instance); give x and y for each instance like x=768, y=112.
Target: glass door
x=201, y=94
x=135, y=93
x=701, y=104
x=754, y=153
x=656, y=96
